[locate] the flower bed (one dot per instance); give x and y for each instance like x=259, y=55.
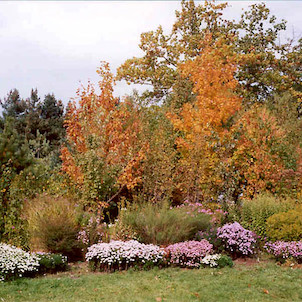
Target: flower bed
x=15, y=262
x=283, y=250
x=188, y=253
x=118, y=255
x=237, y=240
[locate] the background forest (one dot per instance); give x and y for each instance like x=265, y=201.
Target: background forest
x=220, y=127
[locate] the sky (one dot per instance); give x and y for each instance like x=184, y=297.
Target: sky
x=55, y=46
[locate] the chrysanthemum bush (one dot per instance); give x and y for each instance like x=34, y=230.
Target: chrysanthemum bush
x=188, y=253
x=237, y=240
x=217, y=260
x=15, y=262
x=283, y=250
x=118, y=255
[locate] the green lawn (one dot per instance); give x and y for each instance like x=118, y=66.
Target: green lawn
x=261, y=282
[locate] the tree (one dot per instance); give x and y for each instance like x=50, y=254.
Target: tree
x=103, y=154
x=203, y=124
x=52, y=115
x=261, y=160
x=266, y=68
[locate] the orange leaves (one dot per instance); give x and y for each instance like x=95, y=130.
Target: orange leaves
x=131, y=175
x=202, y=123
x=258, y=152
x=69, y=166
x=102, y=134
x=214, y=84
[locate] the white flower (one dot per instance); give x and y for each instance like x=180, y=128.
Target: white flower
x=16, y=262
x=211, y=260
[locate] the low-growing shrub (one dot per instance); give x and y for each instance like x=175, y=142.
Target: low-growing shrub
x=285, y=226
x=15, y=263
x=284, y=250
x=253, y=214
x=188, y=253
x=119, y=255
x=53, y=226
x=159, y=224
x=213, y=210
x=217, y=260
x=51, y=263
x=237, y=240
x=92, y=231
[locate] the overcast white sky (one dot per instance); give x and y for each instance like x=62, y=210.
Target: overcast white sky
x=53, y=46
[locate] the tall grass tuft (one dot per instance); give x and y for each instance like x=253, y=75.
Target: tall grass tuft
x=161, y=225
x=52, y=226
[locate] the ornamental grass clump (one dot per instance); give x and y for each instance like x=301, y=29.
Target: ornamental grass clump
x=188, y=253
x=119, y=255
x=15, y=263
x=237, y=240
x=161, y=225
x=283, y=250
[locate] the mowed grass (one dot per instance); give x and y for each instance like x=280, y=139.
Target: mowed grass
x=261, y=282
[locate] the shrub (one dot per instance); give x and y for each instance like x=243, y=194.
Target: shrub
x=51, y=263
x=122, y=255
x=92, y=231
x=121, y=229
x=237, y=240
x=286, y=226
x=254, y=213
x=158, y=224
x=283, y=250
x=53, y=226
x=217, y=260
x=15, y=262
x=211, y=235
x=216, y=214
x=188, y=253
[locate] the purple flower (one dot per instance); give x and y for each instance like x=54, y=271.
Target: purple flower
x=237, y=239
x=284, y=250
x=188, y=253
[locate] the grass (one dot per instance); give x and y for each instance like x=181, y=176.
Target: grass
x=261, y=282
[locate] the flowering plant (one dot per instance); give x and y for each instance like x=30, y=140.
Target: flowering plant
x=15, y=262
x=237, y=240
x=51, y=263
x=188, y=253
x=283, y=250
x=217, y=260
x=194, y=208
x=94, y=231
x=122, y=255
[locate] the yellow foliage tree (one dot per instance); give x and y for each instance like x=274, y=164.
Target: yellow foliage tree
x=203, y=124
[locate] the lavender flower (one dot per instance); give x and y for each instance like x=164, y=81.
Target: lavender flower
x=188, y=253
x=283, y=250
x=237, y=239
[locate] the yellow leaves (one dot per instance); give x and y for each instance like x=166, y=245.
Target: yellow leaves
x=201, y=123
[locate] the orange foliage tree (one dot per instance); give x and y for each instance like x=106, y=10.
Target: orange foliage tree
x=203, y=124
x=262, y=160
x=103, y=151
